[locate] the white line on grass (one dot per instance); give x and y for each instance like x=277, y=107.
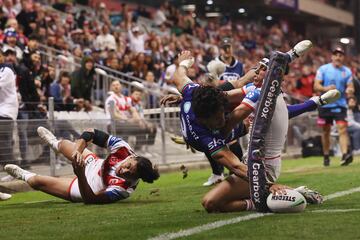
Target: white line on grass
x=336, y=210
x=218, y=224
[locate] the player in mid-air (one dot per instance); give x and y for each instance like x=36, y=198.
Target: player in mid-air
x=97, y=180
x=205, y=128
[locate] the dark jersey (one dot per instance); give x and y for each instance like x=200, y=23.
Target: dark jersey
x=198, y=136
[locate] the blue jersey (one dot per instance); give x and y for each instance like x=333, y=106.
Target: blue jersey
x=198, y=136
x=232, y=72
x=340, y=77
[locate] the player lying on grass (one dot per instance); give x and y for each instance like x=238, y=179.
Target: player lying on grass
x=97, y=180
x=205, y=128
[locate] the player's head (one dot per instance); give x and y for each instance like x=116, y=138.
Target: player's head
x=338, y=56
x=262, y=69
x=209, y=106
x=136, y=167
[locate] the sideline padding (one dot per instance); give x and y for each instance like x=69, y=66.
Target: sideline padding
x=263, y=116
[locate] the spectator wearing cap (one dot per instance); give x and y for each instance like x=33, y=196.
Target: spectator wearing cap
x=82, y=81
x=105, y=41
x=335, y=75
x=11, y=41
x=234, y=69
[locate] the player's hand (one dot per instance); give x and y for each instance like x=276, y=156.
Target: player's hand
x=278, y=189
x=184, y=55
x=171, y=99
x=78, y=158
x=79, y=169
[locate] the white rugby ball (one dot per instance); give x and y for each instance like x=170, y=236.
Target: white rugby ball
x=291, y=202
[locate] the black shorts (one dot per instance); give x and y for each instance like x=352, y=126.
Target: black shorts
x=328, y=115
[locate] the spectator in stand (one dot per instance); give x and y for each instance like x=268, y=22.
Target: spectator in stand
x=82, y=81
x=10, y=40
x=335, y=75
x=305, y=85
x=30, y=106
x=26, y=16
x=61, y=91
x=136, y=39
x=136, y=101
x=128, y=121
x=105, y=40
x=234, y=69
x=353, y=125
x=8, y=112
x=152, y=98
x=10, y=10
x=47, y=78
x=169, y=73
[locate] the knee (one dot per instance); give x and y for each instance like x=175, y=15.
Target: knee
x=210, y=205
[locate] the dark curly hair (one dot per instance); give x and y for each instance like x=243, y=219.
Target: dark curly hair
x=145, y=170
x=207, y=100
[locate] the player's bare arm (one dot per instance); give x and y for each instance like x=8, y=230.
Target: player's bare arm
x=319, y=87
x=180, y=78
x=240, y=113
x=227, y=158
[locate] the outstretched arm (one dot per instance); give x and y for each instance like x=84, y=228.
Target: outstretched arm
x=180, y=78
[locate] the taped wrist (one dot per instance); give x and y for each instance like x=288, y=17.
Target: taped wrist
x=100, y=138
x=87, y=136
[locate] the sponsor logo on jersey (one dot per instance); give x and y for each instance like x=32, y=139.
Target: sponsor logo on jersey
x=216, y=142
x=187, y=106
x=269, y=102
x=229, y=76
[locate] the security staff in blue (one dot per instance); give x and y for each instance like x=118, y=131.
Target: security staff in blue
x=335, y=75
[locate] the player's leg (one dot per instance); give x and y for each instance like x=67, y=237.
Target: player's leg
x=58, y=187
x=228, y=196
x=311, y=104
x=347, y=157
x=65, y=147
x=325, y=139
x=217, y=171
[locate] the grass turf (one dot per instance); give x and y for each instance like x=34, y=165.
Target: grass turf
x=176, y=206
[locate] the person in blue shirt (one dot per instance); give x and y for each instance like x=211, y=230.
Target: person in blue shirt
x=335, y=75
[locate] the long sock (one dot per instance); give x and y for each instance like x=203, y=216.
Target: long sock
x=28, y=175
x=297, y=109
x=55, y=144
x=249, y=205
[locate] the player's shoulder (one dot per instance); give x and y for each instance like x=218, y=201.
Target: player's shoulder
x=347, y=70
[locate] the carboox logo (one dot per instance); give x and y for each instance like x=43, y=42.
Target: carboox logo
x=269, y=102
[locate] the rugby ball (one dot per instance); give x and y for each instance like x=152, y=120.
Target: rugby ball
x=291, y=202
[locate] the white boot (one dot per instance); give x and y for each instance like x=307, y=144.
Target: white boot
x=213, y=179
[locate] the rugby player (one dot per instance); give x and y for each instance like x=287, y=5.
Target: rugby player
x=209, y=131
x=97, y=180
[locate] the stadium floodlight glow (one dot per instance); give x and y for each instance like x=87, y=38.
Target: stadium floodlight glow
x=269, y=18
x=344, y=40
x=209, y=2
x=241, y=10
x=213, y=14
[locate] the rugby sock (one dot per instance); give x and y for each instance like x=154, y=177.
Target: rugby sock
x=297, y=109
x=55, y=144
x=28, y=175
x=249, y=205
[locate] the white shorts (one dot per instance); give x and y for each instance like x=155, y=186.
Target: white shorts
x=272, y=169
x=93, y=177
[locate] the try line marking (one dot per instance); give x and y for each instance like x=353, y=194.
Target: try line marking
x=218, y=224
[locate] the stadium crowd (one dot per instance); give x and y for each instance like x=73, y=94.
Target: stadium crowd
x=122, y=42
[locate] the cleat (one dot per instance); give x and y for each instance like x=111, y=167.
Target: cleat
x=300, y=49
x=16, y=171
x=48, y=138
x=326, y=162
x=214, y=179
x=346, y=159
x=327, y=98
x=311, y=196
x=4, y=196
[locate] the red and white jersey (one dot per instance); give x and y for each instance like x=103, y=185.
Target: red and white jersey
x=101, y=174
x=122, y=103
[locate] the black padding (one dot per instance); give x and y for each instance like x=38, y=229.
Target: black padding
x=100, y=138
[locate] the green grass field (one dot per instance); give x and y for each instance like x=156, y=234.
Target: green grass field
x=176, y=206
